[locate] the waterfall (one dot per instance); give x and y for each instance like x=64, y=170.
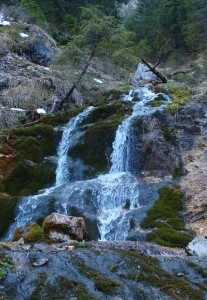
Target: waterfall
x=30, y=207
x=114, y=196
x=62, y=173
x=119, y=186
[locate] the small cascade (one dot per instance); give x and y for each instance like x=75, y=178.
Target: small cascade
x=30, y=208
x=122, y=187
x=62, y=172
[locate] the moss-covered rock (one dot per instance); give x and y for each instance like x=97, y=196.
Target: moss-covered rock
x=179, y=96
x=157, y=101
x=62, y=117
x=7, y=206
x=26, y=178
x=95, y=146
x=147, y=270
x=34, y=234
x=36, y=142
x=166, y=217
x=102, y=283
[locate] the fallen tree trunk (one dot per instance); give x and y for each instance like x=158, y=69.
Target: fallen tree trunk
x=154, y=71
x=59, y=105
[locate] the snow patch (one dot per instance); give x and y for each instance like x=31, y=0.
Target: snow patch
x=41, y=111
x=17, y=109
x=98, y=80
x=24, y=35
x=5, y=23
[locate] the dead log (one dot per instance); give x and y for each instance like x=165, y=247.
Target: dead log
x=154, y=71
x=59, y=105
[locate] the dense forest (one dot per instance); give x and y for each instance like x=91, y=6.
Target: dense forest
x=178, y=26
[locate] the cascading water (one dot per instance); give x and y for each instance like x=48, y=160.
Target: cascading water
x=122, y=187
x=62, y=173
x=113, y=196
x=29, y=207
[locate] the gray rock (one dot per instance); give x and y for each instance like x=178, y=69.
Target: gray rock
x=143, y=73
x=197, y=247
x=64, y=228
x=41, y=52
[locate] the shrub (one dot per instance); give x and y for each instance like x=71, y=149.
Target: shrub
x=34, y=234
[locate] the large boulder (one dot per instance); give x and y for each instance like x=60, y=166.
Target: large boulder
x=64, y=228
x=143, y=73
x=42, y=52
x=198, y=247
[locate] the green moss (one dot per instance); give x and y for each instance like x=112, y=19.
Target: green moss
x=63, y=288
x=112, y=94
x=201, y=271
x=7, y=206
x=155, y=103
x=39, y=286
x=27, y=178
x=5, y=263
x=63, y=117
x=28, y=148
x=184, y=78
x=179, y=96
x=95, y=147
x=158, y=101
x=160, y=89
x=169, y=134
x=146, y=269
x=169, y=237
x=102, y=283
x=34, y=234
x=177, y=172
x=167, y=218
x=114, y=111
x=36, y=142
x=105, y=285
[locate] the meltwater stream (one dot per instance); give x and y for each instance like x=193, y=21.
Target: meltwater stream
x=115, y=195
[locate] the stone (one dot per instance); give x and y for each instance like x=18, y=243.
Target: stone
x=20, y=241
x=64, y=228
x=197, y=247
x=143, y=73
x=41, y=262
x=68, y=248
x=42, y=52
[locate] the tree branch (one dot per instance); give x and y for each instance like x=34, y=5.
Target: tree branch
x=154, y=71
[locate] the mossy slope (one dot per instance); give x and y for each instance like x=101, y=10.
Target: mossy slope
x=167, y=218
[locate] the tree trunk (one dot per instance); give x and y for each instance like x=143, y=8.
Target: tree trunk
x=59, y=105
x=154, y=71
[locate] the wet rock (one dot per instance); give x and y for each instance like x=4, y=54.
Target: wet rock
x=41, y=262
x=64, y=228
x=198, y=247
x=143, y=73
